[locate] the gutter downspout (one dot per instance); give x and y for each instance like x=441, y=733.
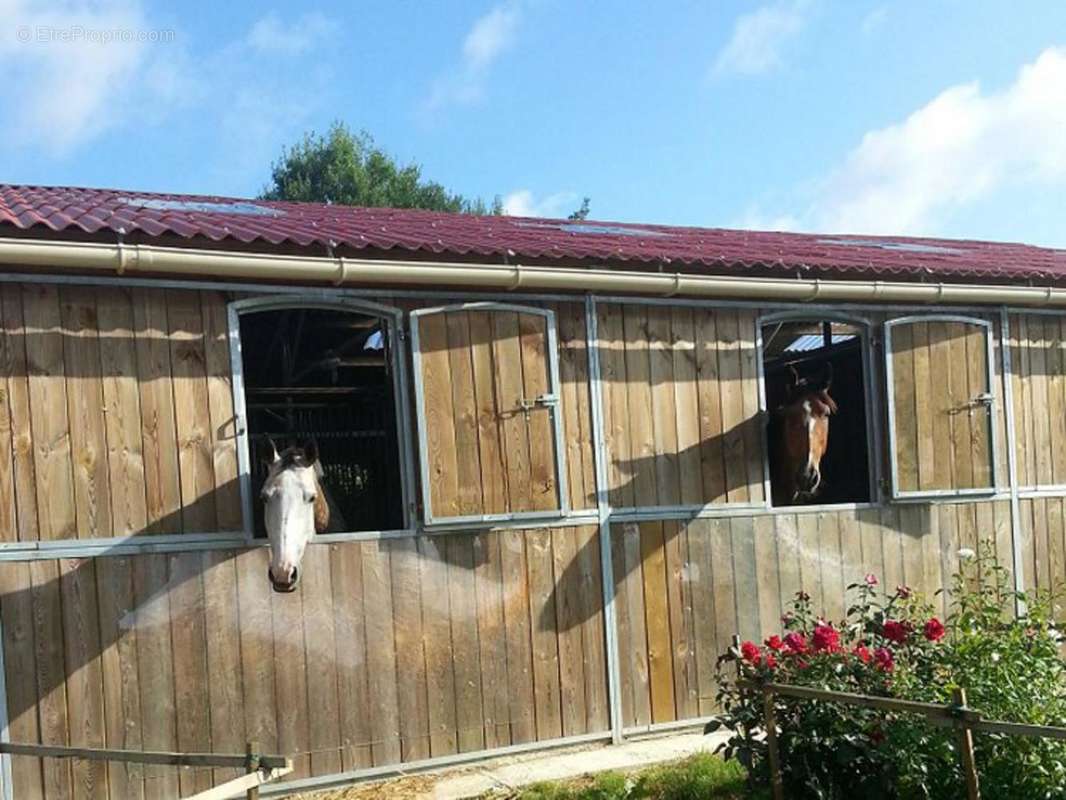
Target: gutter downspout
x=132, y=259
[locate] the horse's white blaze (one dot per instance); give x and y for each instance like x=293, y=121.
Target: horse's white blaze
x=810, y=421
x=290, y=519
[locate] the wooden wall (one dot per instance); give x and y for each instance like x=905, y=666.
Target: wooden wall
x=1038, y=367
x=390, y=651
x=116, y=415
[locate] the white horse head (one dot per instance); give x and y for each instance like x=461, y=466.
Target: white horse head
x=295, y=509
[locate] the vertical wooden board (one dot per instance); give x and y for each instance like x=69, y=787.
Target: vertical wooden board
x=158, y=432
x=731, y=388
x=223, y=422
x=663, y=406
x=410, y=656
x=17, y=612
x=542, y=622
x=320, y=648
x=516, y=615
x=584, y=404
x=948, y=534
x=437, y=416
x=188, y=636
x=491, y=459
x=15, y=377
x=8, y=518
x=1054, y=335
x=1026, y=422
x=155, y=676
x=808, y=540
x=464, y=414
x=708, y=386
x=891, y=549
x=754, y=449
x=1003, y=534
x=686, y=391
x=722, y=579
x=681, y=628
x=1040, y=541
x=352, y=654
x=902, y=396
x=48, y=403
x=51, y=673
x=831, y=564
x=85, y=410
x=701, y=591
x=926, y=407
x=380, y=655
x=567, y=625
x=492, y=642
x=1028, y=546
x=1056, y=554
x=590, y=595
x=462, y=601
x=84, y=680
x=786, y=534
x=911, y=524
x=191, y=411
x=871, y=536
x=1038, y=381
x=999, y=388
x=571, y=353
x=931, y=560
x=633, y=594
x=615, y=397
x=942, y=405
x=122, y=411
x=852, y=566
x=440, y=659
x=979, y=420
x=222, y=633
x=290, y=679
x=766, y=571
x=657, y=622
x=962, y=412
x=624, y=633
x=255, y=612
x=510, y=391
x=543, y=488
x=744, y=571
x=1017, y=379
x=638, y=390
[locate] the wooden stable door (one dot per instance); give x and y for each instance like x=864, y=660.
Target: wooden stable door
x=941, y=411
x=488, y=413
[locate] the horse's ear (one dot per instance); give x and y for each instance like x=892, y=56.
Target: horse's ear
x=272, y=454
x=793, y=379
x=827, y=376
x=310, y=448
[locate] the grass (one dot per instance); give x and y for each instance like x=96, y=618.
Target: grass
x=700, y=777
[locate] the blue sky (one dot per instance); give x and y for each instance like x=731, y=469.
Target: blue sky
x=943, y=117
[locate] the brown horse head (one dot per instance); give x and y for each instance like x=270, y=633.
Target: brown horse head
x=804, y=437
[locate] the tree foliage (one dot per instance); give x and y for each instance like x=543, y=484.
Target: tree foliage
x=349, y=169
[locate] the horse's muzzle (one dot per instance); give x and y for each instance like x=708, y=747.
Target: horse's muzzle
x=284, y=588
x=808, y=481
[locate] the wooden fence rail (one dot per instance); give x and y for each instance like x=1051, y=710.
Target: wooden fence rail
x=260, y=768
x=953, y=715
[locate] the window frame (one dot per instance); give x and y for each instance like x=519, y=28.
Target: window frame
x=919, y=495
x=555, y=388
x=869, y=382
x=397, y=346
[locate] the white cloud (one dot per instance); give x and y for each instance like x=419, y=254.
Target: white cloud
x=522, y=203
x=271, y=34
x=74, y=69
x=489, y=37
x=951, y=152
x=759, y=37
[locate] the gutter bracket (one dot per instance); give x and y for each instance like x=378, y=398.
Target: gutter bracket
x=517, y=283
x=121, y=268
x=677, y=286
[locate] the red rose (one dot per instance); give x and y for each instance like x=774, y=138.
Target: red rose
x=897, y=631
x=884, y=659
x=771, y=661
x=871, y=579
x=749, y=651
x=775, y=643
x=934, y=630
x=862, y=652
x=825, y=638
x=903, y=591
x=795, y=643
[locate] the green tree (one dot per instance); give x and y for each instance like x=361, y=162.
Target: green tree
x=350, y=169
x=582, y=213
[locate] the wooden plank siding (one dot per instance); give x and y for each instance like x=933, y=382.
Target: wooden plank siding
x=1038, y=361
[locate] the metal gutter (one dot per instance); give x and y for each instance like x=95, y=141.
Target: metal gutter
x=127, y=259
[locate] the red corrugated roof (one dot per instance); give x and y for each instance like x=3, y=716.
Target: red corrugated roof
x=234, y=223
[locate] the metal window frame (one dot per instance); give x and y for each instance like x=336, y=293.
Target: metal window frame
x=873, y=441
x=430, y=520
x=919, y=495
x=393, y=317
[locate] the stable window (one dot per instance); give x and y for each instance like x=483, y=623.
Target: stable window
x=816, y=392
x=326, y=373
x=940, y=406
x=490, y=428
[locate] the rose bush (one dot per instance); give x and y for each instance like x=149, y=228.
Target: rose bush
x=894, y=645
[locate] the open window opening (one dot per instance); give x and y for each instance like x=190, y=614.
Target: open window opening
x=326, y=375
x=816, y=395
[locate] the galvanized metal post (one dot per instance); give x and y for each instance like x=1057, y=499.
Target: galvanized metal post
x=603, y=507
x=1012, y=461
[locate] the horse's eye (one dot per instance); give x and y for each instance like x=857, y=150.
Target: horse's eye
x=311, y=498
